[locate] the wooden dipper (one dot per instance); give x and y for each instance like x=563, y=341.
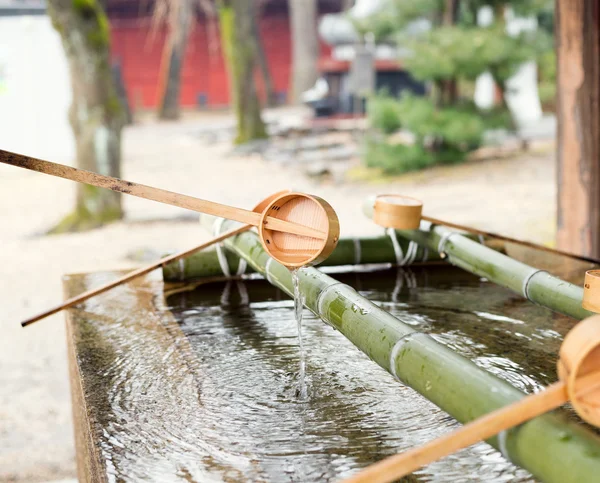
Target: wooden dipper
x=296, y=229
x=296, y=251
x=579, y=382
x=405, y=213
x=300, y=229
x=591, y=291
x=399, y=212
x=259, y=208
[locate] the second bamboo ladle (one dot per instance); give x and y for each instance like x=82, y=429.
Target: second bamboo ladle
x=579, y=374
x=405, y=213
x=295, y=228
x=82, y=297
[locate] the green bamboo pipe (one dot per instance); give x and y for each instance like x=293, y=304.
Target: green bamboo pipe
x=538, y=286
x=349, y=251
x=550, y=447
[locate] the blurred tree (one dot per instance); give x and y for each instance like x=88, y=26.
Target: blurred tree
x=96, y=115
x=179, y=15
x=237, y=19
x=261, y=56
x=305, y=46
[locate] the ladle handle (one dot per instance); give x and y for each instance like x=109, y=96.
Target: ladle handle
x=131, y=275
x=154, y=194
x=483, y=428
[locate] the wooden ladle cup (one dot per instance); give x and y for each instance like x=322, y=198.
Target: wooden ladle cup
x=397, y=211
x=292, y=250
x=591, y=291
x=405, y=213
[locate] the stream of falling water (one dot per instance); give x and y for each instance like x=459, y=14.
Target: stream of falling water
x=298, y=306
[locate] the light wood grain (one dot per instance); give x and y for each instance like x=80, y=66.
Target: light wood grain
x=403, y=464
x=290, y=249
x=398, y=212
x=130, y=276
x=156, y=194
x=259, y=208
x=591, y=291
x=390, y=211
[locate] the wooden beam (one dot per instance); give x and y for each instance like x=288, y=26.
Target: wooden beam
x=578, y=114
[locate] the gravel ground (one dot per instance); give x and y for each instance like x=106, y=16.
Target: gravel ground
x=514, y=196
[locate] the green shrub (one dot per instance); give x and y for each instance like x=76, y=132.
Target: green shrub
x=547, y=79
x=457, y=125
x=396, y=158
x=442, y=135
x=445, y=126
x=383, y=113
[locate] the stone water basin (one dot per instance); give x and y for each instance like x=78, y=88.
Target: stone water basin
x=200, y=384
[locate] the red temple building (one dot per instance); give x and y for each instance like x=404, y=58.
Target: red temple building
x=137, y=49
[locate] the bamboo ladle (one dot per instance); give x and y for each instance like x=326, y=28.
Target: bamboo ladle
x=579, y=382
x=405, y=213
x=148, y=268
x=295, y=228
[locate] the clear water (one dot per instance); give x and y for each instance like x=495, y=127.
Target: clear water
x=298, y=309
x=206, y=387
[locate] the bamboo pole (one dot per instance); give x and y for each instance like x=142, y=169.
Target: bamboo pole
x=157, y=194
x=349, y=251
x=128, y=277
x=536, y=285
x=452, y=382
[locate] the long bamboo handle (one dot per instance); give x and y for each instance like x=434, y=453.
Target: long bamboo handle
x=155, y=194
x=481, y=429
x=477, y=231
x=130, y=276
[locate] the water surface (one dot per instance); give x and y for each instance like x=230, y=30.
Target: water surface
x=205, y=386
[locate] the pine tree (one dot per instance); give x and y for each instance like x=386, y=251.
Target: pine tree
x=448, y=57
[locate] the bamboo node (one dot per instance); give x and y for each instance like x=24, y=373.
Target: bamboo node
x=502, y=443
x=396, y=350
x=357, y=251
x=527, y=279
x=223, y=263
x=442, y=244
x=321, y=297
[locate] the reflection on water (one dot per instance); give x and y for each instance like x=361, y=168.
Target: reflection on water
x=206, y=389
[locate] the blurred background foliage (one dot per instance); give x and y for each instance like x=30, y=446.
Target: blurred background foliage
x=446, y=124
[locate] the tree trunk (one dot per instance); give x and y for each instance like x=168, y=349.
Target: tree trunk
x=96, y=115
x=449, y=87
x=578, y=148
x=305, y=46
x=239, y=44
x=180, y=21
x=263, y=63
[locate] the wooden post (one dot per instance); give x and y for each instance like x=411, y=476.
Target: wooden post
x=578, y=114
